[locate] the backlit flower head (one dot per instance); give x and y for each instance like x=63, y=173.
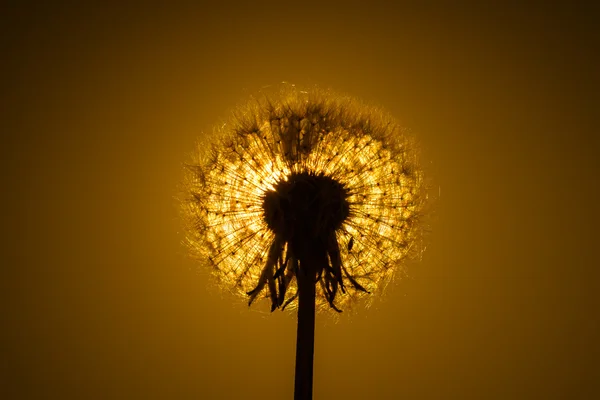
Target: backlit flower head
x=299, y=177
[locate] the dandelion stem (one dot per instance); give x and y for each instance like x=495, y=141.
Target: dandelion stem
x=305, y=336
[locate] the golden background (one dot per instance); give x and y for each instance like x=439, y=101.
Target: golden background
x=101, y=105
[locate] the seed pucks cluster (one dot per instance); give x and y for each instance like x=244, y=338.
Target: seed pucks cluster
x=304, y=175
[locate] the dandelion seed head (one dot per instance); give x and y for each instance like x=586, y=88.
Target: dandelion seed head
x=242, y=172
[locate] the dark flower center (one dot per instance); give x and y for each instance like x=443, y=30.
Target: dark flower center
x=305, y=210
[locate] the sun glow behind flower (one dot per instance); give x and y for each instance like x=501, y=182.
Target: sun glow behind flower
x=269, y=141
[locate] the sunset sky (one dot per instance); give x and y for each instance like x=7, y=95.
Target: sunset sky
x=101, y=105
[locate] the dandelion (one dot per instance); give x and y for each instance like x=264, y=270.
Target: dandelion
x=308, y=199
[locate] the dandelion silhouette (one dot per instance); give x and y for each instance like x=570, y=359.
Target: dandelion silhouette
x=309, y=199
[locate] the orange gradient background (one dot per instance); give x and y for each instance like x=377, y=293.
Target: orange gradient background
x=101, y=106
